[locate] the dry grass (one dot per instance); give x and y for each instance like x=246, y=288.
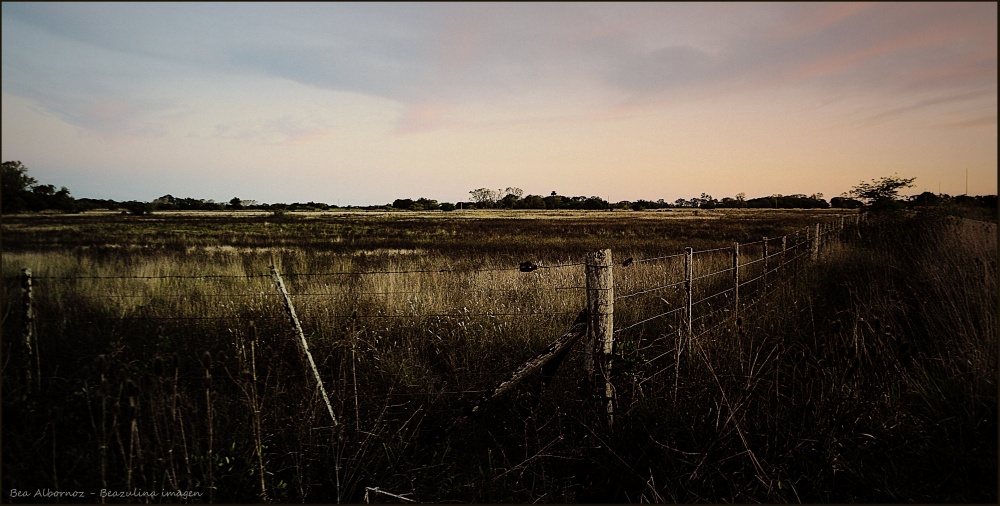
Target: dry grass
x=837, y=378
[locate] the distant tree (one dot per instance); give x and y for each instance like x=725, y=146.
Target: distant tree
x=595, y=203
x=533, y=202
x=554, y=201
x=15, y=184
x=63, y=201
x=515, y=192
x=165, y=202
x=137, y=208
x=484, y=197
x=425, y=204
x=22, y=192
x=740, y=201
x=402, y=203
x=797, y=201
x=926, y=199
x=236, y=203
x=845, y=203
x=86, y=204
x=447, y=206
x=882, y=194
x=707, y=201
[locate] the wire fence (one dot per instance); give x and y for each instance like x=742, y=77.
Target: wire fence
x=393, y=348
x=647, y=289
x=660, y=301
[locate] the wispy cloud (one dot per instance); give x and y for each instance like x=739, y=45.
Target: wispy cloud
x=283, y=131
x=948, y=99
x=989, y=120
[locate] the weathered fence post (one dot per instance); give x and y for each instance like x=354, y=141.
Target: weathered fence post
x=600, y=331
x=736, y=283
x=688, y=294
x=815, y=244
x=784, y=249
x=30, y=345
x=764, y=258
x=303, y=345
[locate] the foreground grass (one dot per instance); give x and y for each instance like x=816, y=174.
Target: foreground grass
x=870, y=376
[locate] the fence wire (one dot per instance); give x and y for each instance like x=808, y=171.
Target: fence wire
x=791, y=252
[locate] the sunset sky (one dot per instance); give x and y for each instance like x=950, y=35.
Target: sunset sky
x=364, y=103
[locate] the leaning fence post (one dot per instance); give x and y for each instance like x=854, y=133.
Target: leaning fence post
x=600, y=332
x=784, y=249
x=303, y=345
x=30, y=344
x=688, y=293
x=815, y=244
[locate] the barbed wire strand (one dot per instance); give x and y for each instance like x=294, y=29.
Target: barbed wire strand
x=308, y=274
x=659, y=258
x=661, y=315
x=641, y=292
x=166, y=276
x=751, y=280
x=431, y=271
x=711, y=250
x=728, y=269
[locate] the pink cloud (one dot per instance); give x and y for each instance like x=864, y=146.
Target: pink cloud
x=420, y=117
x=811, y=20
x=285, y=131
x=984, y=121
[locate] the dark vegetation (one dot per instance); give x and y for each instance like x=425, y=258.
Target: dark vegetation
x=869, y=376
x=22, y=192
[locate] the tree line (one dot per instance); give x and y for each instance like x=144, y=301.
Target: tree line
x=22, y=192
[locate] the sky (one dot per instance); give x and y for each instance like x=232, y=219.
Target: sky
x=364, y=103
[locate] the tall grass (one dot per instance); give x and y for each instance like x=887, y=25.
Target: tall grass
x=866, y=377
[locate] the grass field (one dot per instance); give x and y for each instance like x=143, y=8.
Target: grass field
x=168, y=364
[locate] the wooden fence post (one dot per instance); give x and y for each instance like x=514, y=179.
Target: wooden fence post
x=784, y=249
x=303, y=345
x=815, y=244
x=736, y=282
x=600, y=331
x=688, y=294
x=30, y=345
x=764, y=258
